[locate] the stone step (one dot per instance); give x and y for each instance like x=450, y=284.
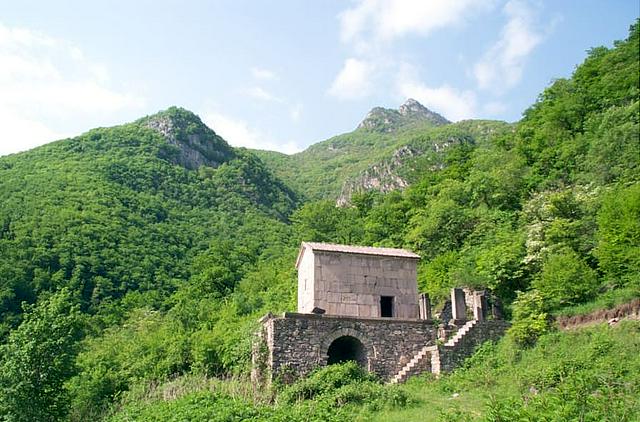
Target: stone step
x=453, y=346
x=461, y=333
x=446, y=357
x=410, y=367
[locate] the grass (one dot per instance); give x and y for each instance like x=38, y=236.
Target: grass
x=606, y=300
x=433, y=404
x=239, y=387
x=590, y=374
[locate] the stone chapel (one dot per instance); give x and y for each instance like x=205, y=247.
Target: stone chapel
x=361, y=303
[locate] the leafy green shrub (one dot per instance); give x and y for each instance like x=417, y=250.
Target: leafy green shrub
x=440, y=227
x=201, y=406
x=614, y=144
x=435, y=276
x=530, y=318
x=324, y=380
x=38, y=359
x=335, y=392
x=372, y=395
x=499, y=261
x=148, y=347
x=618, y=249
x=566, y=279
x=454, y=415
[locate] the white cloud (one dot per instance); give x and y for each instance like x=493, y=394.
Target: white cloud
x=451, y=103
x=372, y=28
x=263, y=74
x=262, y=94
x=238, y=133
x=353, y=81
x=44, y=80
x=386, y=20
x=501, y=66
x=20, y=133
x=494, y=108
x=295, y=112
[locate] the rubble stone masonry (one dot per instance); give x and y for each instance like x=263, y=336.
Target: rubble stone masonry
x=292, y=345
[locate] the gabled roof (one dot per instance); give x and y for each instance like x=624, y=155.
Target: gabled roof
x=361, y=250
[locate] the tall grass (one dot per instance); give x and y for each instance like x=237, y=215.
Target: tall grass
x=590, y=374
x=607, y=300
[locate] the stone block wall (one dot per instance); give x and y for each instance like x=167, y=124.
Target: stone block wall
x=352, y=284
x=292, y=345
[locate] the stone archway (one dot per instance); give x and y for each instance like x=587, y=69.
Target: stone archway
x=348, y=344
x=347, y=348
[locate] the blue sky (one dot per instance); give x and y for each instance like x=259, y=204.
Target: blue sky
x=282, y=75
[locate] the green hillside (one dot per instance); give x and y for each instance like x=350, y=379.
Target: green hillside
x=135, y=260
x=321, y=171
x=115, y=211
x=588, y=375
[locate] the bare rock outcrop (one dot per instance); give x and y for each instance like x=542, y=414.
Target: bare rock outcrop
x=194, y=143
x=387, y=120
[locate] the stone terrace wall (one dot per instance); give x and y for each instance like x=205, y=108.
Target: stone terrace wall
x=292, y=345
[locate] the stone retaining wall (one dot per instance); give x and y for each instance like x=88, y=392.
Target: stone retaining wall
x=292, y=345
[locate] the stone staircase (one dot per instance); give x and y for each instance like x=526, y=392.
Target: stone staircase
x=420, y=363
x=437, y=359
x=461, y=333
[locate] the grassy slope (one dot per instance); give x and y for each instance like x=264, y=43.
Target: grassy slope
x=319, y=171
x=588, y=375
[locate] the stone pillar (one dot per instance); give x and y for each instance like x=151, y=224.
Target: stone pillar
x=425, y=307
x=479, y=306
x=458, y=307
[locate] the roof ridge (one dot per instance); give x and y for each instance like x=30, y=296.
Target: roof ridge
x=358, y=249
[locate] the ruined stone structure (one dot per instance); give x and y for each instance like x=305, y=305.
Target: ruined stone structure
x=362, y=304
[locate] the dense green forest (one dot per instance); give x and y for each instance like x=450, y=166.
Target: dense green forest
x=135, y=261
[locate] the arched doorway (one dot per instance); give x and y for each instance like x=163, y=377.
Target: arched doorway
x=347, y=348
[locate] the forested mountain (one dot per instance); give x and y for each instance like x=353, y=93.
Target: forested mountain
x=388, y=150
x=135, y=260
x=129, y=209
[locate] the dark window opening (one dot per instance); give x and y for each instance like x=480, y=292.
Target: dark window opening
x=386, y=306
x=346, y=348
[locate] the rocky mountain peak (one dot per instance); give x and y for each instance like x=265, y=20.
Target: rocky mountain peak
x=172, y=122
x=410, y=112
x=412, y=108
x=195, y=143
x=381, y=119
